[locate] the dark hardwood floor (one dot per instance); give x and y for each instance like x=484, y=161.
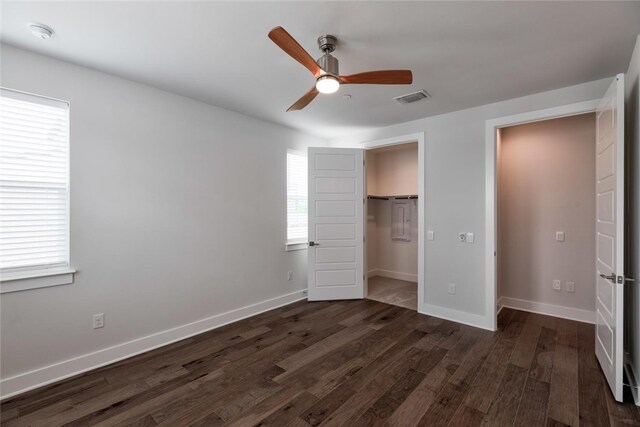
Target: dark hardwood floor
x=351, y=363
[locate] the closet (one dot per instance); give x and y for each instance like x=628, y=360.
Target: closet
x=546, y=222
x=391, y=244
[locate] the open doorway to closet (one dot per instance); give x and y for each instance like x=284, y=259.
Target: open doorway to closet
x=392, y=230
x=546, y=228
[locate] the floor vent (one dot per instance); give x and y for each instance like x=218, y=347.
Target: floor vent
x=412, y=97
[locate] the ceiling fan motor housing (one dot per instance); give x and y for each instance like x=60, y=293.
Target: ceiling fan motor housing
x=327, y=44
x=329, y=64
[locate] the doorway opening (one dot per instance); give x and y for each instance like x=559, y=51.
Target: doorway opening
x=392, y=225
x=546, y=217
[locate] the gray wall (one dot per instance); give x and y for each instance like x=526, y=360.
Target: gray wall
x=632, y=157
x=547, y=183
x=177, y=214
x=455, y=187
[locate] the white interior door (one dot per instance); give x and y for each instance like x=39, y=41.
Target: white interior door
x=610, y=234
x=336, y=222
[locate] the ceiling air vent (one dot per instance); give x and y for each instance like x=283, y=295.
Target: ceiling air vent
x=412, y=97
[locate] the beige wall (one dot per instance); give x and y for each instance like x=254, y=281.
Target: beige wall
x=392, y=170
x=390, y=257
x=547, y=184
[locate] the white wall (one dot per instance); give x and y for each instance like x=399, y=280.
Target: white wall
x=632, y=264
x=455, y=188
x=177, y=214
x=546, y=183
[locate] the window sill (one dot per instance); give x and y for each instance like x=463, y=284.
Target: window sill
x=295, y=246
x=25, y=280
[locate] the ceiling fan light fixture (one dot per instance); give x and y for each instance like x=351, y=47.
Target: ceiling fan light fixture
x=327, y=84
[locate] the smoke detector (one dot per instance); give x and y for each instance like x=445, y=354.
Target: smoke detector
x=41, y=31
x=412, y=97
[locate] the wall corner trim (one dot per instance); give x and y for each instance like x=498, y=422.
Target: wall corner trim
x=570, y=313
x=26, y=381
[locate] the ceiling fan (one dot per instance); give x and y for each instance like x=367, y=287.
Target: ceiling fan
x=325, y=70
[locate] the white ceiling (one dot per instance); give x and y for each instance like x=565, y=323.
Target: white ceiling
x=463, y=53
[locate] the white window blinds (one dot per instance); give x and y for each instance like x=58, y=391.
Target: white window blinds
x=296, y=197
x=34, y=182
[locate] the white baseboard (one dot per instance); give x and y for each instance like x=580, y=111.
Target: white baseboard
x=58, y=371
x=549, y=309
x=393, y=275
x=471, y=319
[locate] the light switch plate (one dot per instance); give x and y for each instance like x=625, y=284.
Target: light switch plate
x=469, y=237
x=431, y=235
x=557, y=284
x=571, y=287
x=559, y=236
x=452, y=288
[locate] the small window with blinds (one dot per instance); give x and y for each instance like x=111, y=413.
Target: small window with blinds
x=34, y=182
x=296, y=197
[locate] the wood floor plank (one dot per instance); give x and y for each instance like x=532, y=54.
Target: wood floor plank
x=321, y=348
x=345, y=363
x=325, y=406
x=563, y=397
x=526, y=345
x=384, y=407
x=512, y=329
x=533, y=404
x=369, y=388
x=442, y=411
x=504, y=408
x=289, y=411
x=485, y=386
x=543, y=358
x=591, y=383
x=466, y=416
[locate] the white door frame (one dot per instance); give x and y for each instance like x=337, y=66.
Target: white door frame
x=418, y=137
x=491, y=128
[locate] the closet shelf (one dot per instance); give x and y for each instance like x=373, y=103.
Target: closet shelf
x=404, y=196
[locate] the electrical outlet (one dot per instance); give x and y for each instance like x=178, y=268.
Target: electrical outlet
x=452, y=288
x=469, y=238
x=559, y=236
x=289, y=275
x=431, y=235
x=98, y=321
x=557, y=284
x=462, y=237
x=571, y=287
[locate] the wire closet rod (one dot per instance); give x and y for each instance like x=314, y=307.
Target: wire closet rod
x=411, y=196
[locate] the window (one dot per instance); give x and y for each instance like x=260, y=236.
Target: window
x=296, y=200
x=34, y=185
